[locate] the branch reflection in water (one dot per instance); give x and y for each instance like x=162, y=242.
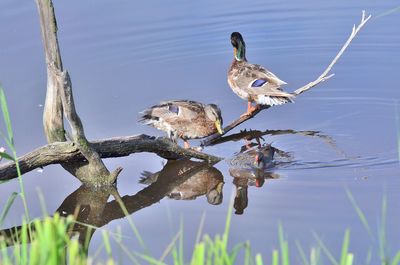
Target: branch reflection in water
x=92, y=210
x=181, y=179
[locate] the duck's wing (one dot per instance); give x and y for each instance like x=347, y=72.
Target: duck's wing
x=262, y=85
x=254, y=75
x=265, y=74
x=174, y=111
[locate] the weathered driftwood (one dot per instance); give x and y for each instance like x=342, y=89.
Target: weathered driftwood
x=323, y=77
x=69, y=152
x=60, y=102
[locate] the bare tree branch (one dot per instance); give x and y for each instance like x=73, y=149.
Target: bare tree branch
x=60, y=102
x=323, y=77
x=69, y=152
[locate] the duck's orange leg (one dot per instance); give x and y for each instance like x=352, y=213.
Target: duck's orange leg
x=250, y=109
x=186, y=144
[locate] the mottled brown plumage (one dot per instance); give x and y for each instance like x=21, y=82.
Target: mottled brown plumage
x=253, y=82
x=184, y=119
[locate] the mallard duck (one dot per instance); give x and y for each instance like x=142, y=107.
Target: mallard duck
x=184, y=119
x=251, y=167
x=253, y=82
x=258, y=157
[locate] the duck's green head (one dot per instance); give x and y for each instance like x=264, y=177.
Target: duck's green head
x=239, y=47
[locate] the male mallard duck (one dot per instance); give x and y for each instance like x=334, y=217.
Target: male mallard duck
x=184, y=119
x=253, y=82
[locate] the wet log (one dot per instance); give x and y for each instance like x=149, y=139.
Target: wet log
x=69, y=152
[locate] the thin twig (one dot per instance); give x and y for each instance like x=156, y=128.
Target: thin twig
x=323, y=77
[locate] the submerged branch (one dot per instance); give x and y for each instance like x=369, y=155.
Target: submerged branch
x=323, y=77
x=68, y=152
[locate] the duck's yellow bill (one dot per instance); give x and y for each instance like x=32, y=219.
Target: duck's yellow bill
x=219, y=187
x=218, y=126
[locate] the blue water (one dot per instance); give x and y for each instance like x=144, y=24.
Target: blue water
x=124, y=56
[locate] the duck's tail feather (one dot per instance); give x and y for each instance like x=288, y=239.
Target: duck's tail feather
x=274, y=100
x=146, y=117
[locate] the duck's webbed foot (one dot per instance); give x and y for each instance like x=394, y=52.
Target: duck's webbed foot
x=250, y=109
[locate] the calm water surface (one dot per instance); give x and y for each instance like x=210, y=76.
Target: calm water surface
x=124, y=56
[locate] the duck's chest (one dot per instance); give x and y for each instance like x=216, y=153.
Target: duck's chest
x=198, y=128
x=236, y=80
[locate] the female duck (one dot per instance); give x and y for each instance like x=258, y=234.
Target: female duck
x=184, y=119
x=253, y=82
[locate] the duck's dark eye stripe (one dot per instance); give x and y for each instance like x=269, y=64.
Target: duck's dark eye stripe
x=174, y=109
x=258, y=83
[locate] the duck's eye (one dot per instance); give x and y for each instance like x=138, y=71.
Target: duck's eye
x=258, y=83
x=174, y=109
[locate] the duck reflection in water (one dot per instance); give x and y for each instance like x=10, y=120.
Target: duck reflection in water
x=206, y=181
x=250, y=168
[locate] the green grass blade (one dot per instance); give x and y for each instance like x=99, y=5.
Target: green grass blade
x=200, y=229
x=181, y=258
x=325, y=249
x=5, y=139
x=131, y=224
x=275, y=257
x=235, y=251
x=396, y=259
x=283, y=246
x=259, y=259
x=42, y=202
x=349, y=259
x=369, y=256
x=247, y=254
x=302, y=254
x=6, y=116
x=382, y=233
x=6, y=156
x=198, y=254
x=225, y=236
x=106, y=243
x=170, y=246
x=345, y=248
x=7, y=207
x=360, y=213
x=150, y=259
x=315, y=255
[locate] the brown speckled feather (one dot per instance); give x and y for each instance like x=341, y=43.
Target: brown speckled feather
x=180, y=118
